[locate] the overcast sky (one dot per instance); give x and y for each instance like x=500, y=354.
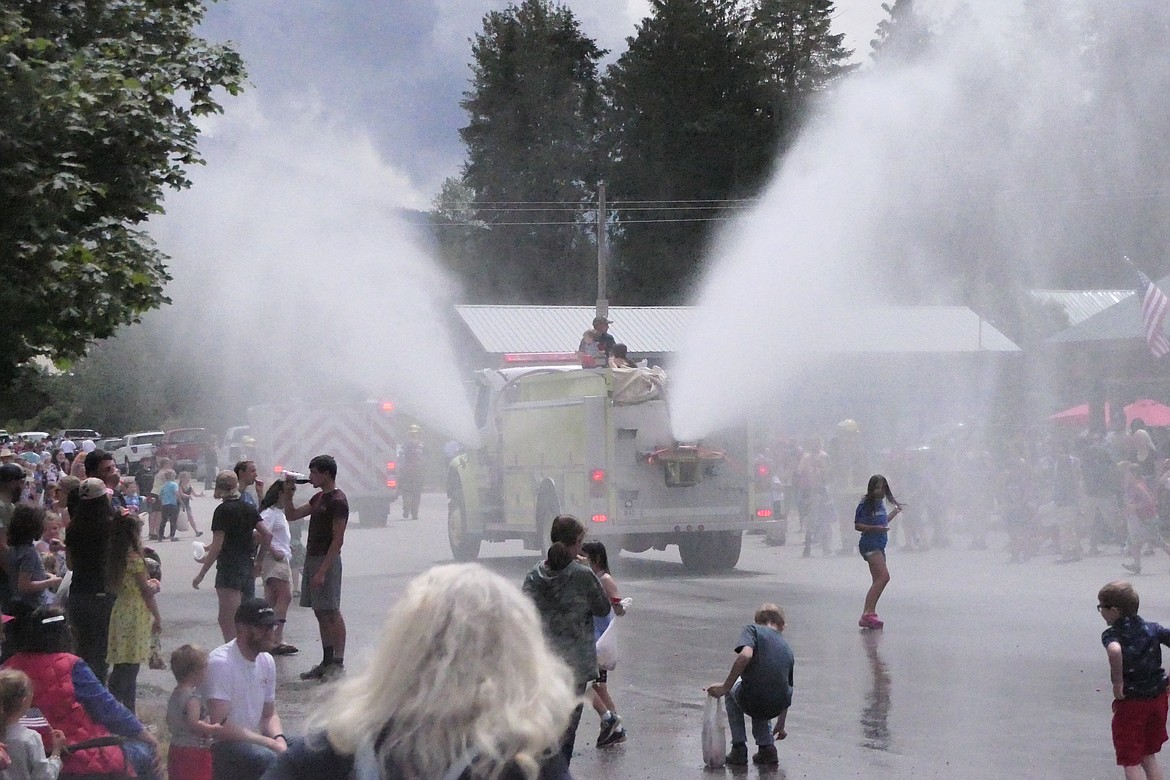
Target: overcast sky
x=395, y=69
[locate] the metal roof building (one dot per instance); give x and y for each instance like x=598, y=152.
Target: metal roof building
x=1120, y=322
x=659, y=330
x=1079, y=305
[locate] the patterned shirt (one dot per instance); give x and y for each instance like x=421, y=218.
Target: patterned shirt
x=1141, y=655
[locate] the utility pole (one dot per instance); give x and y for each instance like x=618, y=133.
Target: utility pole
x=602, y=253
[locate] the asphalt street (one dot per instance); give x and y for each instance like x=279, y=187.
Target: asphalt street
x=984, y=669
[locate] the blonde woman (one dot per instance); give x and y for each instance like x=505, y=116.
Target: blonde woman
x=462, y=685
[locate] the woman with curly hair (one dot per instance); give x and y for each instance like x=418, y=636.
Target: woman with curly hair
x=462, y=685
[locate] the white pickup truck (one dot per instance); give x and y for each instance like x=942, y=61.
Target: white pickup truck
x=135, y=447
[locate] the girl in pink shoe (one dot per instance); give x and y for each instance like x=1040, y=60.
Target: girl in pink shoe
x=872, y=521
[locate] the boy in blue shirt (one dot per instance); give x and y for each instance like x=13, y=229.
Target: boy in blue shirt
x=1139, y=681
x=759, y=685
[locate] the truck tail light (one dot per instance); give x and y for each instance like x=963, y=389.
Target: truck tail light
x=392, y=483
x=391, y=466
x=763, y=513
x=599, y=518
x=387, y=406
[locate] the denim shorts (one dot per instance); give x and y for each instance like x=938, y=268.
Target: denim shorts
x=871, y=543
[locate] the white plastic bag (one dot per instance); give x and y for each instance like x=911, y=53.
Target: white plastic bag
x=714, y=733
x=607, y=647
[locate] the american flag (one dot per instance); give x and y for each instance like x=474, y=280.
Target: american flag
x=1154, y=305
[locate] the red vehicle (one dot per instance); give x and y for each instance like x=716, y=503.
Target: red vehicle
x=186, y=448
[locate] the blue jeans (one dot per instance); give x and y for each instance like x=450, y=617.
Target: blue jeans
x=761, y=727
x=239, y=760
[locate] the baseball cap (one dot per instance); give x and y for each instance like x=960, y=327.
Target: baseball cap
x=599, y=320
x=256, y=612
x=10, y=472
x=92, y=488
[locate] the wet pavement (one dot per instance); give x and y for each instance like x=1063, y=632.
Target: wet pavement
x=984, y=670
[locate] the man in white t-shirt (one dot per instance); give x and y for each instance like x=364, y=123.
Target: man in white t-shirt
x=241, y=694
x=69, y=447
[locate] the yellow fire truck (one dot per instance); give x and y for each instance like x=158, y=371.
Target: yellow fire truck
x=558, y=439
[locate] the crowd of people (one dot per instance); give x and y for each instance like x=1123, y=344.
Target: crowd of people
x=1059, y=494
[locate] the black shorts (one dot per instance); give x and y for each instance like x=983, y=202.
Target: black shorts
x=233, y=572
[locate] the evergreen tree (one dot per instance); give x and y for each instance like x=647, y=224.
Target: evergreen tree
x=902, y=37
x=794, y=42
x=531, y=144
x=685, y=124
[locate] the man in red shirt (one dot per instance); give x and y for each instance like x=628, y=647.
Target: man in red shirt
x=328, y=513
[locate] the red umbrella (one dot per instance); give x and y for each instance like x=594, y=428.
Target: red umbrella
x=1152, y=413
x=1076, y=416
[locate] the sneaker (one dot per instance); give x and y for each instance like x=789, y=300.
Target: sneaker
x=333, y=672
x=609, y=727
x=284, y=649
x=738, y=754
x=614, y=738
x=765, y=755
x=316, y=673
x=1129, y=567
x=870, y=620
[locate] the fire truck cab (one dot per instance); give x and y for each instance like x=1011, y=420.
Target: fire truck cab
x=562, y=439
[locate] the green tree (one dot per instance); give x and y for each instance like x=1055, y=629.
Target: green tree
x=903, y=36
x=531, y=155
x=98, y=102
x=685, y=124
x=801, y=56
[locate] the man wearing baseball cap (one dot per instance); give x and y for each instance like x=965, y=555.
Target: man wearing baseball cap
x=605, y=340
x=241, y=694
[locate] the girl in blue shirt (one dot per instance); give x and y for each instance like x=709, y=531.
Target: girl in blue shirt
x=872, y=521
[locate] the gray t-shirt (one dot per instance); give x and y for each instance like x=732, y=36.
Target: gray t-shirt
x=25, y=558
x=766, y=683
x=27, y=751
x=181, y=733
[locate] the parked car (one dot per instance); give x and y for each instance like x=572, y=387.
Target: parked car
x=5, y=436
x=32, y=437
x=78, y=434
x=108, y=444
x=186, y=448
x=134, y=448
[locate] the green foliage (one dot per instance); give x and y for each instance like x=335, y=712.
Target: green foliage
x=686, y=123
x=903, y=36
x=97, y=109
x=794, y=41
x=531, y=157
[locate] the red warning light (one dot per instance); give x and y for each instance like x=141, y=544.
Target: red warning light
x=597, y=476
x=391, y=483
x=763, y=513
x=762, y=470
x=278, y=469
x=391, y=465
x=599, y=518
x=387, y=406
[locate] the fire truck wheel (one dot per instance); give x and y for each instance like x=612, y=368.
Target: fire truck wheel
x=710, y=551
x=464, y=544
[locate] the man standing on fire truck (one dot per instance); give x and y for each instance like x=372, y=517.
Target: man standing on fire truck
x=328, y=513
